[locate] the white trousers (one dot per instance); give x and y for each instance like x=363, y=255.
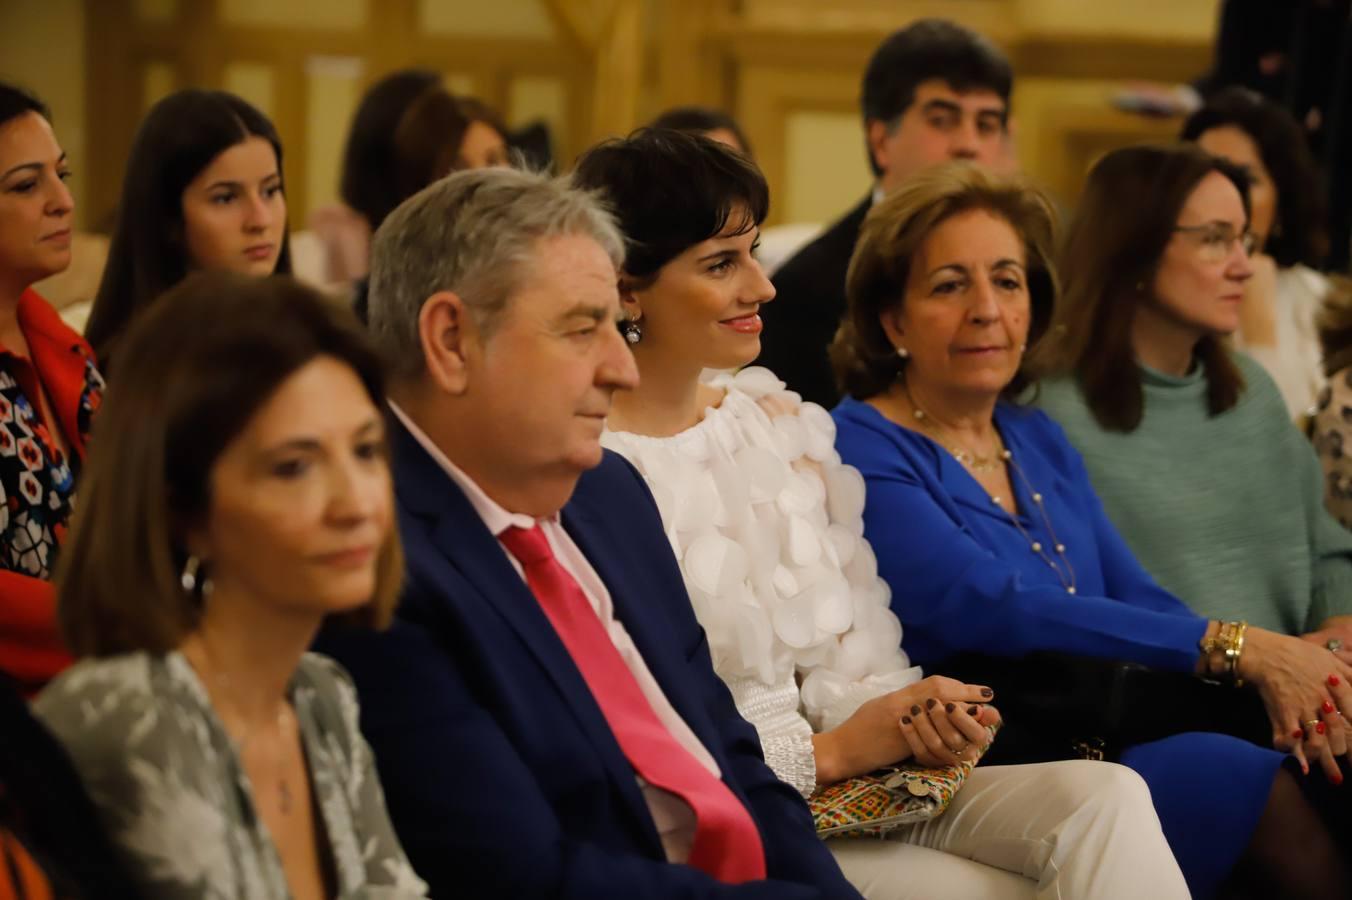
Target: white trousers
x=1075, y=830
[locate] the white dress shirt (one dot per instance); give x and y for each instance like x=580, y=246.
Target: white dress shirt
x=673, y=817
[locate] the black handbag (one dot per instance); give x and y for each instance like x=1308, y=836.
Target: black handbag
x=1062, y=706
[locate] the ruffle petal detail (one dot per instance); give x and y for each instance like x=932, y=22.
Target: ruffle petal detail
x=767, y=524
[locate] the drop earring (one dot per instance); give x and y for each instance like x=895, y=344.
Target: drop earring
x=632, y=330
x=194, y=579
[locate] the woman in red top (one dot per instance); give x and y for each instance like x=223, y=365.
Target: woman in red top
x=49, y=389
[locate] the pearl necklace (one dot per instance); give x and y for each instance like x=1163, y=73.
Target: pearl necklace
x=1003, y=456
x=1066, y=577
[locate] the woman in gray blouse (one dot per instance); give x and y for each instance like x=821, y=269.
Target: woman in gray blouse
x=238, y=497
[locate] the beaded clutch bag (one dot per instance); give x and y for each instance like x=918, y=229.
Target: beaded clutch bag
x=874, y=804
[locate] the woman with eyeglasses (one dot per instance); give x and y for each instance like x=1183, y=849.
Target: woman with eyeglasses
x=1189, y=444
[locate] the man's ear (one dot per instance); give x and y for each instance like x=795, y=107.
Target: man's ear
x=449, y=340
x=877, y=137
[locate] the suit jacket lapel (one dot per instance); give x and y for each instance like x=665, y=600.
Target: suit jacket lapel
x=644, y=625
x=425, y=491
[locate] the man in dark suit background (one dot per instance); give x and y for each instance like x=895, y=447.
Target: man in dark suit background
x=544, y=714
x=933, y=91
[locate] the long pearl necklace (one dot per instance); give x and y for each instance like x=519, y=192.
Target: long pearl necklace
x=1065, y=572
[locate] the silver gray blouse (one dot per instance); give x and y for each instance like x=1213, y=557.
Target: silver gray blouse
x=175, y=800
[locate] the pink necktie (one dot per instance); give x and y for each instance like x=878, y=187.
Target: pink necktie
x=727, y=844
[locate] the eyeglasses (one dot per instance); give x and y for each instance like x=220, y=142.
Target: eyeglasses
x=1216, y=238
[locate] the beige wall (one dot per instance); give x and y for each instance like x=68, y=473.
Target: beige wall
x=42, y=49
x=789, y=69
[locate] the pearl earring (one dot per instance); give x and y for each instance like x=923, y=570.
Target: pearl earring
x=903, y=353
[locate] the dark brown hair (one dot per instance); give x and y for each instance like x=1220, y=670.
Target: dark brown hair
x=1299, y=226
x=179, y=138
x=367, y=183
x=864, y=359
x=1126, y=218
x=670, y=190
x=198, y=366
x=429, y=136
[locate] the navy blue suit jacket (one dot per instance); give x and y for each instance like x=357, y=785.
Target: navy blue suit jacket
x=502, y=777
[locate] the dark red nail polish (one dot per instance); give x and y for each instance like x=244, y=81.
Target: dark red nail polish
x=949, y=707
x=1320, y=728
x=929, y=704
x=915, y=710
x=1334, y=681
x=1336, y=778
x=1328, y=708
x=972, y=711
x=906, y=720
x=988, y=693
x=1298, y=734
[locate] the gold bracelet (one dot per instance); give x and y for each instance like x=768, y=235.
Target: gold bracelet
x=1210, y=645
x=1233, y=650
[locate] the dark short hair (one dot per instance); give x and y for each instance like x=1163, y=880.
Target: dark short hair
x=367, y=183
x=1126, y=218
x=865, y=362
x=670, y=190
x=928, y=49
x=1299, y=233
x=198, y=366
x=179, y=138
x=15, y=102
x=700, y=120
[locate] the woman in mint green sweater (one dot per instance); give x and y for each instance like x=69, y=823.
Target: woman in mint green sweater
x=1187, y=443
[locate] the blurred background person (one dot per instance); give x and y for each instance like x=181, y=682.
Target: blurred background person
x=714, y=124
x=1287, y=206
x=50, y=389
x=366, y=187
x=933, y=91
x=203, y=192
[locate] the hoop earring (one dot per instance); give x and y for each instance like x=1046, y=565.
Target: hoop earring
x=632, y=330
x=194, y=578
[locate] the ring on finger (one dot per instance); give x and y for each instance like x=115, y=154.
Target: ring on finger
x=1312, y=726
x=1334, y=644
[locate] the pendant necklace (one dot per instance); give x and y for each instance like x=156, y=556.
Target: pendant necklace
x=283, y=787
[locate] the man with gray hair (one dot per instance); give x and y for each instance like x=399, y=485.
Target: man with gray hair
x=544, y=713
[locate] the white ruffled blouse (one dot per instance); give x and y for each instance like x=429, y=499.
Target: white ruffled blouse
x=767, y=524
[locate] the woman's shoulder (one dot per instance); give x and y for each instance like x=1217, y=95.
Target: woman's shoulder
x=324, y=684
x=99, y=705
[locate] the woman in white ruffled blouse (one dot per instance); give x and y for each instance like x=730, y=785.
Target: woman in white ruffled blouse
x=767, y=525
